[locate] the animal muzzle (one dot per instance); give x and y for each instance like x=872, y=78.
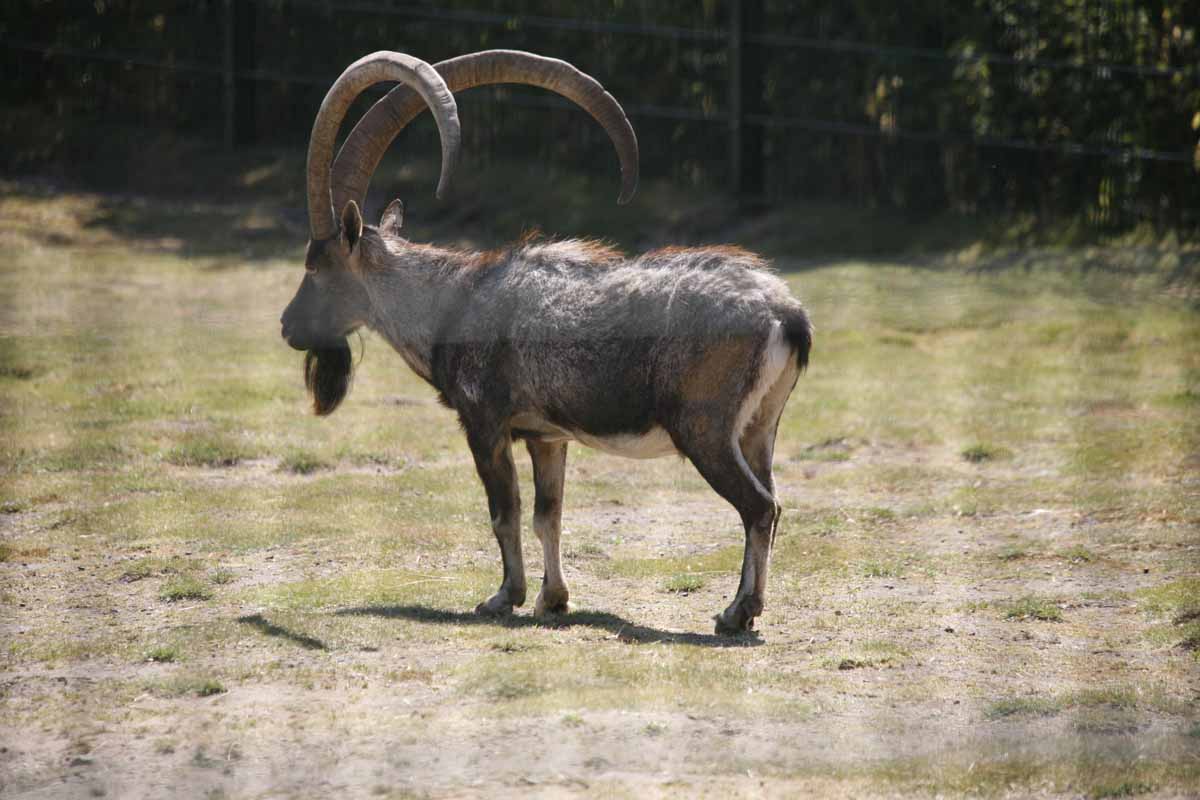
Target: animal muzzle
x=300, y=336
x=291, y=336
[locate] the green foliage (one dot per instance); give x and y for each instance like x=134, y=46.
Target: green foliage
x=992, y=76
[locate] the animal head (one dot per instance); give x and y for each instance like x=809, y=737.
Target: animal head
x=332, y=302
x=333, y=299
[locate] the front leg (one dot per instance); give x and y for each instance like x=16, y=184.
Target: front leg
x=493, y=461
x=549, y=466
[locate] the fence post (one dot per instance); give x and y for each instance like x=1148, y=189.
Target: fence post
x=745, y=98
x=239, y=58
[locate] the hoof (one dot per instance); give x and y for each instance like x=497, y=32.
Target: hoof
x=733, y=621
x=557, y=603
x=495, y=606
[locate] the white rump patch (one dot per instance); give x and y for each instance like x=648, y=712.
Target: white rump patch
x=775, y=359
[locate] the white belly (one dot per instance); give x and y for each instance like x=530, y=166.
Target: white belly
x=651, y=444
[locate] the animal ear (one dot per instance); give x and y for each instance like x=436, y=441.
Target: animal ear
x=352, y=224
x=393, y=218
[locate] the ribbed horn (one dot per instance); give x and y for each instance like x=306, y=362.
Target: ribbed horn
x=423, y=84
x=363, y=150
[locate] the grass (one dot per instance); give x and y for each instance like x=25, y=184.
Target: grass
x=1098, y=708
x=1176, y=599
x=1012, y=552
x=302, y=462
x=190, y=685
x=981, y=452
x=654, y=729
x=1077, y=554
x=516, y=684
x=221, y=577
x=1177, y=604
x=871, y=654
x=1022, y=706
x=684, y=583
x=1033, y=608
x=966, y=446
x=207, y=450
x=882, y=569
x=185, y=587
x=1121, y=789
x=152, y=566
x=164, y=654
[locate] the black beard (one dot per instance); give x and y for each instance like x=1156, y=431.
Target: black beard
x=327, y=373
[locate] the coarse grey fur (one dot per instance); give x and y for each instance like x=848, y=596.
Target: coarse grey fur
x=692, y=351
x=557, y=341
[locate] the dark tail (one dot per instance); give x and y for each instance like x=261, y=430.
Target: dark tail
x=799, y=332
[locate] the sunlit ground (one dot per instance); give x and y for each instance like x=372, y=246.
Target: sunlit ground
x=987, y=580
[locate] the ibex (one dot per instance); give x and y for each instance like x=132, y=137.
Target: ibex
x=688, y=351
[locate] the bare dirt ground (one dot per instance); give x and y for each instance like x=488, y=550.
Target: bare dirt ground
x=987, y=581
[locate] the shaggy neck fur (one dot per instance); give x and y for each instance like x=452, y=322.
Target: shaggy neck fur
x=413, y=290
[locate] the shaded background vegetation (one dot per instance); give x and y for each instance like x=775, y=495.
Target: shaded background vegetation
x=1086, y=109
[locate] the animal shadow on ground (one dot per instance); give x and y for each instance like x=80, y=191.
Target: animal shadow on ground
x=622, y=628
x=263, y=626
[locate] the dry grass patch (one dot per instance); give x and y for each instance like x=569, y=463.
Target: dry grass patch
x=685, y=583
x=207, y=450
x=185, y=587
x=1031, y=608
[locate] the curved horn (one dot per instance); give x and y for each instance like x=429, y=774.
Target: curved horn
x=369, y=70
x=364, y=148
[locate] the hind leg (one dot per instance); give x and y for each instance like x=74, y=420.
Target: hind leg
x=737, y=464
x=758, y=440
x=720, y=461
x=757, y=448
